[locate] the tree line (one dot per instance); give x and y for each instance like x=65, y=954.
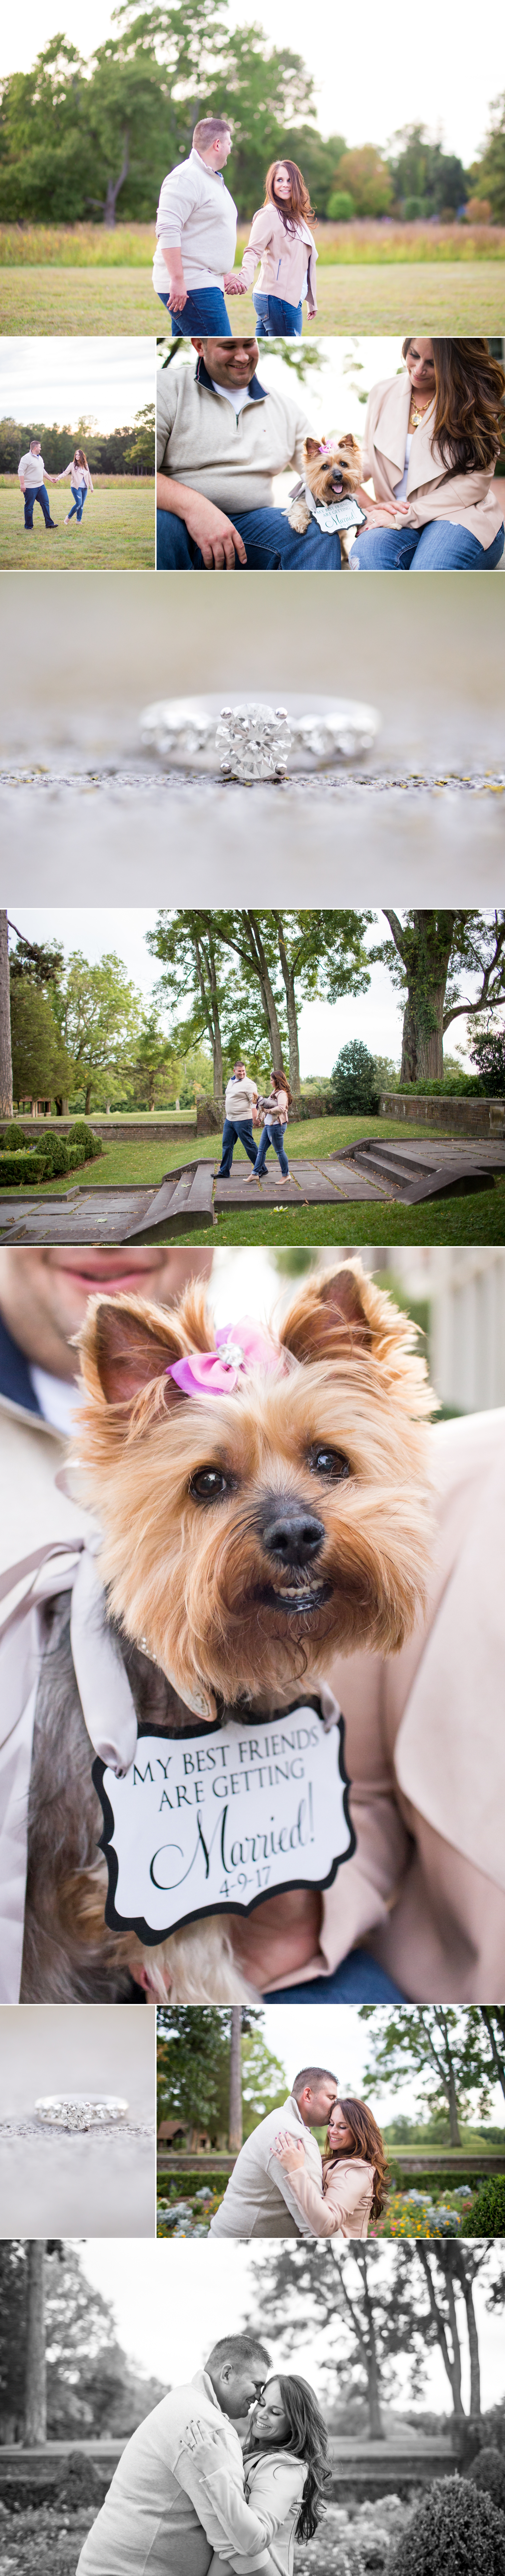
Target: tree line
x=233, y=984
x=453, y=2057
x=117, y=451
x=381, y=2312
x=63, y=2373
x=91, y=140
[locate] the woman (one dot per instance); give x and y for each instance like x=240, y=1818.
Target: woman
x=280, y=239
x=354, y=2173
x=275, y=1113
x=430, y=447
x=285, y=2469
x=80, y=483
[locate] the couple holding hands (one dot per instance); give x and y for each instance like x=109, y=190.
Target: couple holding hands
x=196, y=236
x=242, y=1108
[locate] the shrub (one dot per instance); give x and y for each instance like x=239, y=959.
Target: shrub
x=21, y=1170
x=488, y=1052
x=55, y=1151
x=341, y=207
x=487, y=2214
x=488, y=2471
x=354, y=1081
x=454, y=2531
x=82, y=1135
x=13, y=1139
x=79, y=2482
x=413, y=209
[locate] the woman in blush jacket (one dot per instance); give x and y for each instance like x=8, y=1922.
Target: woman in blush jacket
x=285, y=2470
x=354, y=2173
x=280, y=239
x=431, y=445
x=78, y=474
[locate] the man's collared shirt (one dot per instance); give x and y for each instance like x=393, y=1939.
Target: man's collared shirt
x=258, y=2200
x=230, y=457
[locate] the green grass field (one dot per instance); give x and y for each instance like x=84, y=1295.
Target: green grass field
x=480, y=1218
x=116, y=532
x=79, y=278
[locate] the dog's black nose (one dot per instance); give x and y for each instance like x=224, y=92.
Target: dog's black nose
x=293, y=1534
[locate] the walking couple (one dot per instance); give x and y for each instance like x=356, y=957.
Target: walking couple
x=244, y=1109
x=223, y=2476
x=196, y=235
x=32, y=477
x=282, y=2186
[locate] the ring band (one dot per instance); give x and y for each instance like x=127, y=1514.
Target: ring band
x=80, y=2110
x=256, y=738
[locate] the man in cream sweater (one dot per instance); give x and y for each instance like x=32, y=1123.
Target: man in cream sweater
x=240, y=1101
x=258, y=2200
x=196, y=234
x=221, y=438
x=32, y=477
x=178, y=2493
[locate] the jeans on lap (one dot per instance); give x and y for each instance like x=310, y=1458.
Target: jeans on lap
x=358, y=1980
x=202, y=312
x=440, y=547
x=270, y=544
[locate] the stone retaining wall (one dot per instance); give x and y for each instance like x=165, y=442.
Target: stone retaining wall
x=454, y=1113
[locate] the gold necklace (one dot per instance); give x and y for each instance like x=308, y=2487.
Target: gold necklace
x=417, y=415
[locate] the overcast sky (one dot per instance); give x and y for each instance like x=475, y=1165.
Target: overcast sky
x=103, y=381
x=372, y=75
x=172, y=2301
x=324, y=1027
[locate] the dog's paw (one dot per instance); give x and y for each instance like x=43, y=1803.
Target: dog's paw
x=299, y=519
x=195, y=1966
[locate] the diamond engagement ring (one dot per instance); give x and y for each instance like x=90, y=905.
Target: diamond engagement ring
x=256, y=739
x=80, y=2110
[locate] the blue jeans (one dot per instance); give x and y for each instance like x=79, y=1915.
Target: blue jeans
x=202, y=312
x=358, y=1980
x=236, y=1131
x=441, y=547
x=275, y=318
x=271, y=1136
x=78, y=491
x=270, y=544
x=37, y=492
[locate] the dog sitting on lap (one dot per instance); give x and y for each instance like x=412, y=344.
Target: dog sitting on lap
x=332, y=472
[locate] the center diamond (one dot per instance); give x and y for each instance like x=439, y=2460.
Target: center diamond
x=253, y=742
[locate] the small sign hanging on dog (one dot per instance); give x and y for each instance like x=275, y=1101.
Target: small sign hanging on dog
x=222, y=1817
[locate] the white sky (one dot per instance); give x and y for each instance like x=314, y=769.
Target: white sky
x=324, y=1027
x=172, y=2301
x=104, y=381
x=378, y=74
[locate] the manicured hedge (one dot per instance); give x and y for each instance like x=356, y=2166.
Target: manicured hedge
x=455, y=2532
x=21, y=1170
x=487, y=2214
x=82, y=1135
x=13, y=1139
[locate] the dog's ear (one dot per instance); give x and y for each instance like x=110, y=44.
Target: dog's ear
x=131, y=1347
x=312, y=447
x=348, y=441
x=329, y=1317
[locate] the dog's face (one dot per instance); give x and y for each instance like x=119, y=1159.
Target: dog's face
x=332, y=468
x=248, y=1536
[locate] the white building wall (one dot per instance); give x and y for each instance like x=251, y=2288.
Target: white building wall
x=466, y=1289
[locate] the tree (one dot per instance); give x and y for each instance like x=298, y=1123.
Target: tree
x=426, y=177
x=40, y=1064
x=36, y=2383
x=5, y=1023
x=440, y=2045
x=450, y=2269
x=196, y=2077
x=156, y=1063
x=363, y=175
x=314, y=952
x=450, y=2529
x=365, y=2307
x=235, y=2110
x=487, y=1051
x=189, y=949
x=354, y=1091
x=98, y=1012
x=427, y=955
x=489, y=172
x=142, y=451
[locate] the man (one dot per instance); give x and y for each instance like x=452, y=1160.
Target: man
x=258, y=2200
x=31, y=471
x=240, y=1100
x=221, y=438
x=196, y=234
x=176, y=2497
x=43, y=1299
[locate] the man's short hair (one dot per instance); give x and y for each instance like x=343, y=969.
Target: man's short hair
x=312, y=2075
x=239, y=2348
x=35, y=439
x=208, y=129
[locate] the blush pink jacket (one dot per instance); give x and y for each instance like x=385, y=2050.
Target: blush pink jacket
x=425, y=1750
x=472, y=501
x=343, y=2207
x=286, y=258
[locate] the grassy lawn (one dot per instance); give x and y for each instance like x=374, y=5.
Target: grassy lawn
x=480, y=1218
x=116, y=532
x=78, y=278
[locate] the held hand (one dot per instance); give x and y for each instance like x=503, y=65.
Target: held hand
x=280, y=1936
x=216, y=536
x=233, y=283
x=289, y=2151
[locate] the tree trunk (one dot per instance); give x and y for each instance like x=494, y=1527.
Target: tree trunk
x=430, y=1038
x=408, y=1068
x=89, y=1088
x=489, y=2017
x=376, y=2426
x=452, y=2363
x=292, y=1016
x=257, y=959
x=113, y=187
x=5, y=1023
x=235, y=2079
x=35, y=2380
x=62, y=1107
x=454, y=2129
x=473, y=2343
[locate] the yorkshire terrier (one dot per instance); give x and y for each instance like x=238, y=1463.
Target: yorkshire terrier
x=247, y=1536
x=332, y=471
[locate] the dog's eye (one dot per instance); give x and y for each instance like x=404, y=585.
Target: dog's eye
x=329, y=1462
x=208, y=1485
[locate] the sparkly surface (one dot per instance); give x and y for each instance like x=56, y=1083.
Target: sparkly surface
x=76, y=2112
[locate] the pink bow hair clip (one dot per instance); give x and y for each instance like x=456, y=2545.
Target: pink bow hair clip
x=238, y=1348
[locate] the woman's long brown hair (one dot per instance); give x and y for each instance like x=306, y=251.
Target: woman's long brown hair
x=469, y=410
x=367, y=2144
x=299, y=204
x=80, y=458
x=307, y=2440
x=280, y=1081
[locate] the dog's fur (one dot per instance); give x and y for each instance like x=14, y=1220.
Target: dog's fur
x=190, y=1584
x=330, y=477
